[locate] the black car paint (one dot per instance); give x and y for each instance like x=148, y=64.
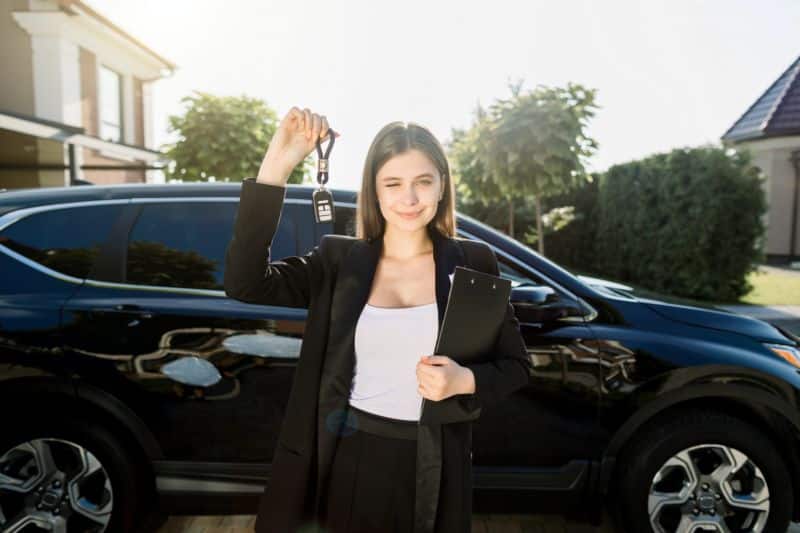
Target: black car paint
x=100, y=346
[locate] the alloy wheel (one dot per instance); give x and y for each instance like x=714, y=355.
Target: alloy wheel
x=709, y=487
x=50, y=484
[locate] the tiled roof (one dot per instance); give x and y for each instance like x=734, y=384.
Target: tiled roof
x=775, y=113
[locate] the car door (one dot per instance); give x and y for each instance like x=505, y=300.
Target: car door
x=547, y=431
x=47, y=253
x=209, y=375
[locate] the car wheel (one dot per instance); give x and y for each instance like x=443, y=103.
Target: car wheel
x=66, y=475
x=702, y=471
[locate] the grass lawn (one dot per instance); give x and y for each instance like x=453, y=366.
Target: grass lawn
x=773, y=288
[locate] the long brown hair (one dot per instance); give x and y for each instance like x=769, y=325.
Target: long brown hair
x=393, y=139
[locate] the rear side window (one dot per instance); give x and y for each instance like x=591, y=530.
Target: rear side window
x=182, y=244
x=66, y=240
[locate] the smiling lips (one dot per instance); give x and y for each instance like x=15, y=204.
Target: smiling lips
x=410, y=215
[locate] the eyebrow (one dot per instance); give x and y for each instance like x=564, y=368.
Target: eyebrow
x=425, y=175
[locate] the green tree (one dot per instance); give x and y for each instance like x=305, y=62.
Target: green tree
x=224, y=137
x=534, y=145
x=477, y=195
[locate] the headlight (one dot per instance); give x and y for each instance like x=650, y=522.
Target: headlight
x=790, y=353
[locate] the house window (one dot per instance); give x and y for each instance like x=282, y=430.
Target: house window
x=110, y=105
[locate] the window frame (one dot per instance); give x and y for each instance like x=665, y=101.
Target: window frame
x=102, y=95
x=124, y=233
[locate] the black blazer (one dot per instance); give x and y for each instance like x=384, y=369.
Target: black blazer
x=333, y=281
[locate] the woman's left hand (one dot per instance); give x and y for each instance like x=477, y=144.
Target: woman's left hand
x=440, y=377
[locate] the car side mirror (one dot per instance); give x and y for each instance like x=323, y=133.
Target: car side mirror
x=541, y=304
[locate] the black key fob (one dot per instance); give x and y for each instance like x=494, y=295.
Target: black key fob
x=322, y=200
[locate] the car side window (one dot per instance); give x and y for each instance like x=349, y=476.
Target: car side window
x=344, y=221
x=183, y=244
x=516, y=276
x=67, y=240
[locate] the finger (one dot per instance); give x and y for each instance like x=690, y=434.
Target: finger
x=294, y=115
x=428, y=371
x=316, y=126
x=421, y=389
x=307, y=122
x=325, y=127
x=437, y=359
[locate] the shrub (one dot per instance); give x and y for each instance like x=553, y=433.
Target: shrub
x=687, y=222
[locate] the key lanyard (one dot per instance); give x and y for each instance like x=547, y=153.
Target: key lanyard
x=322, y=198
x=322, y=160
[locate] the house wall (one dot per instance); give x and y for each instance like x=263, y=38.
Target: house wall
x=138, y=112
x=16, y=83
x=18, y=149
x=89, y=111
x=61, y=56
x=773, y=157
x=106, y=177
x=16, y=95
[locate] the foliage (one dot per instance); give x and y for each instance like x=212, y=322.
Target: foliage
x=522, y=149
x=224, y=137
x=687, y=222
x=574, y=244
x=534, y=143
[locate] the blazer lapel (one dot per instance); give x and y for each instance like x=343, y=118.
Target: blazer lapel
x=353, y=285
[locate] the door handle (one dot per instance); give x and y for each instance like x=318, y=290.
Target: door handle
x=133, y=308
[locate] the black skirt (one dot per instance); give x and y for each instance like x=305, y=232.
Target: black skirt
x=371, y=485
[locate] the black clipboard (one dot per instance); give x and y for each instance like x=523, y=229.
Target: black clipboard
x=475, y=312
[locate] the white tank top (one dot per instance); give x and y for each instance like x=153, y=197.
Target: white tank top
x=388, y=343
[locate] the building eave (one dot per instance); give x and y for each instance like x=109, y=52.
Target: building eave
x=76, y=7
x=64, y=133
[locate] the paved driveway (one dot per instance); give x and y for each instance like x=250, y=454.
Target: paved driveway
x=495, y=523
x=481, y=523
x=786, y=316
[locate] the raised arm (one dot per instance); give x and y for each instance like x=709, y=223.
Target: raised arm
x=250, y=275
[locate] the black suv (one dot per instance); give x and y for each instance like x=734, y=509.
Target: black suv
x=129, y=381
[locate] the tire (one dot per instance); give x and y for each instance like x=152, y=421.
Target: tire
x=91, y=484
x=695, y=444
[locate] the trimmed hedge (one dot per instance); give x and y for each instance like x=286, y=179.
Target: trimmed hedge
x=686, y=223
x=573, y=246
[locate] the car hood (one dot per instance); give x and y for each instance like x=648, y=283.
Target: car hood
x=716, y=318
x=697, y=313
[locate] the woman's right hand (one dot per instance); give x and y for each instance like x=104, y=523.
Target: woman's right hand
x=294, y=139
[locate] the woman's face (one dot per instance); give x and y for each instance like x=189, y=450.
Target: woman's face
x=408, y=188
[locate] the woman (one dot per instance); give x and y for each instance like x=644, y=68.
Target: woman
x=351, y=454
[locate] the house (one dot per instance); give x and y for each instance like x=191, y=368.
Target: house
x=75, y=97
x=770, y=130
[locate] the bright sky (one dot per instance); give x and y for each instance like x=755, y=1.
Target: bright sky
x=668, y=73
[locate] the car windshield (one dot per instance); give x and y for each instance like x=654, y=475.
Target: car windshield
x=510, y=271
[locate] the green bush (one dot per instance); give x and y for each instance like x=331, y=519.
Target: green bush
x=687, y=223
x=573, y=245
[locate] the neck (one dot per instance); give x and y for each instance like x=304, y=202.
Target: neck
x=399, y=244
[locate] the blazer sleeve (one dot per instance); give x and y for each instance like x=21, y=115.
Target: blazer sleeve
x=507, y=371
x=250, y=276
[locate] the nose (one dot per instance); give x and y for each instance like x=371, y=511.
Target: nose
x=410, y=196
